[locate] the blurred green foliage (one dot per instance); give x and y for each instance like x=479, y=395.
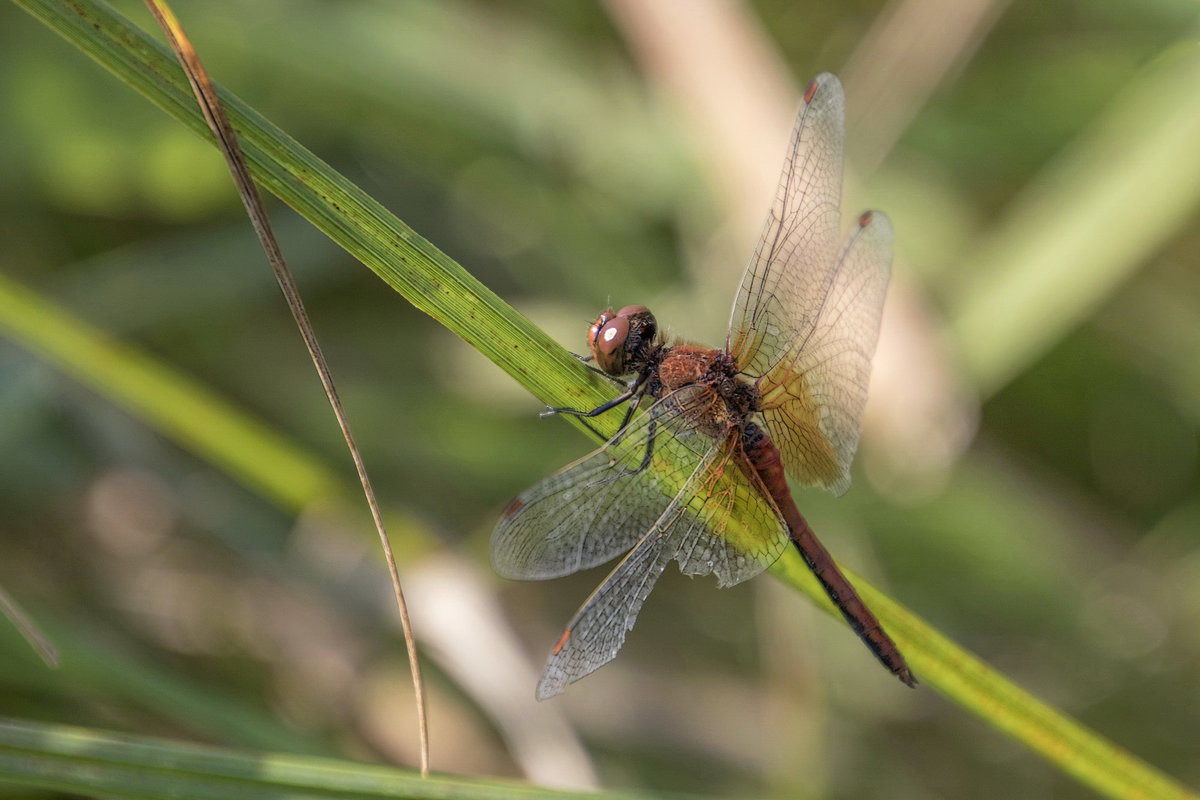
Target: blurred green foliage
x=1063, y=546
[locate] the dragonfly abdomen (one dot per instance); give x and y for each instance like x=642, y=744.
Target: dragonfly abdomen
x=764, y=457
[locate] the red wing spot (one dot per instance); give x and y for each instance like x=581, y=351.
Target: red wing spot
x=561, y=643
x=516, y=505
x=810, y=92
x=866, y=218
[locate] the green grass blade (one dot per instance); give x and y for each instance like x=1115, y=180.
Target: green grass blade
x=1085, y=224
x=968, y=681
x=410, y=264
x=181, y=408
x=87, y=762
x=95, y=664
x=186, y=411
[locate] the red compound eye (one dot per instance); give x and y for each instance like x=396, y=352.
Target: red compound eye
x=607, y=340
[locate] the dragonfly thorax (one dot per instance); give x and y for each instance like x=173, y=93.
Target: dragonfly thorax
x=729, y=400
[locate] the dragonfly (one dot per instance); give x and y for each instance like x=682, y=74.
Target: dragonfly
x=700, y=477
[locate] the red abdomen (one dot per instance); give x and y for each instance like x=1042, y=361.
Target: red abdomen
x=764, y=457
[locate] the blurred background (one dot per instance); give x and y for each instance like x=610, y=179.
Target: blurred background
x=1029, y=479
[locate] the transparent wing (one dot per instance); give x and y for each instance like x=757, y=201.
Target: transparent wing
x=792, y=266
x=721, y=522
x=806, y=318
x=725, y=525
x=596, y=632
x=813, y=397
x=599, y=507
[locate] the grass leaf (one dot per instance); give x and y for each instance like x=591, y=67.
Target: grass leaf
x=87, y=762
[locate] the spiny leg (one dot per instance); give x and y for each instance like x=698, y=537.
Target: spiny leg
x=597, y=370
x=633, y=392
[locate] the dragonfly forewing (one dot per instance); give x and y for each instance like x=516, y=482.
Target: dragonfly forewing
x=806, y=318
x=792, y=266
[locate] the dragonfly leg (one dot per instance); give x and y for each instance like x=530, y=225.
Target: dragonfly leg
x=632, y=407
x=597, y=370
x=649, y=446
x=595, y=412
x=632, y=392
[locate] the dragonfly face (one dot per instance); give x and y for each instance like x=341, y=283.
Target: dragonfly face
x=699, y=477
x=624, y=341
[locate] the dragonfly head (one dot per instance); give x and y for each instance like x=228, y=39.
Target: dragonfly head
x=622, y=341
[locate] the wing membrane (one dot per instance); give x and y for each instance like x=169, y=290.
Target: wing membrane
x=792, y=266
x=599, y=507
x=806, y=318
x=697, y=530
x=813, y=398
